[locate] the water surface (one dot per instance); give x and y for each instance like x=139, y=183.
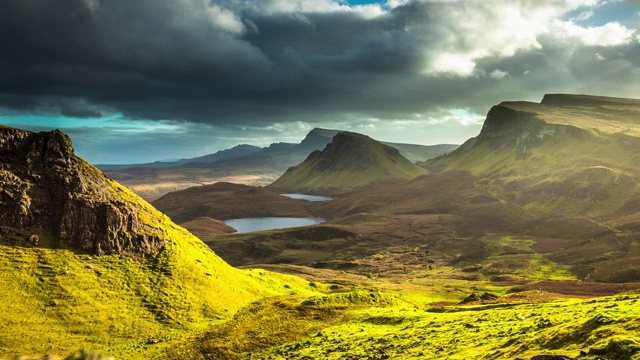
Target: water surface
x=268, y=223
x=307, y=197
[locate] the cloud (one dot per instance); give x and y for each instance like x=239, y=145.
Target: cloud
x=498, y=74
x=585, y=15
x=610, y=34
x=270, y=64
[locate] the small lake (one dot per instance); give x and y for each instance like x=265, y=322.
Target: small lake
x=307, y=197
x=268, y=223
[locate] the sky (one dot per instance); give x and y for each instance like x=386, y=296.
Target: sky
x=135, y=81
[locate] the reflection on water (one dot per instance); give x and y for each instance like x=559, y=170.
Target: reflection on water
x=267, y=223
x=307, y=197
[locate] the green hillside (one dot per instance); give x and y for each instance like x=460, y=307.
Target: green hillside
x=350, y=161
x=124, y=296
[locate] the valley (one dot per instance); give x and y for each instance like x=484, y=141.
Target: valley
x=527, y=208
x=521, y=243
x=242, y=164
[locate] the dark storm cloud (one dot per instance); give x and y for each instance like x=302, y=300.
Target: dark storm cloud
x=230, y=62
x=174, y=60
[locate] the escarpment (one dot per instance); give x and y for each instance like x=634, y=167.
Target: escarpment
x=523, y=125
x=45, y=188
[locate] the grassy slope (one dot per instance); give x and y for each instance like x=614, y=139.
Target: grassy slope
x=55, y=300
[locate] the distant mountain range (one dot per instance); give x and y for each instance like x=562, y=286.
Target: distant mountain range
x=244, y=164
x=279, y=154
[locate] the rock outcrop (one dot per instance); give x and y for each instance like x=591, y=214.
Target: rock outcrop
x=45, y=188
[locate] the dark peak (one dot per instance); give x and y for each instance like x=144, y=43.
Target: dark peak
x=53, y=147
x=563, y=100
x=47, y=189
x=279, y=146
x=323, y=132
x=351, y=136
x=349, y=161
x=318, y=138
x=244, y=146
x=506, y=118
x=348, y=148
x=346, y=140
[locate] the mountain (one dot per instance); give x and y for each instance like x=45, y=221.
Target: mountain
x=85, y=263
x=571, y=155
x=350, y=161
x=553, y=183
x=317, y=139
x=280, y=156
x=244, y=164
x=234, y=152
x=547, y=189
x=47, y=188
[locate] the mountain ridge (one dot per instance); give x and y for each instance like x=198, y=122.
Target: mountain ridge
x=258, y=168
x=316, y=139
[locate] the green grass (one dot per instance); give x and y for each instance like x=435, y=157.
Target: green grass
x=515, y=326
x=600, y=327
x=514, y=257
x=57, y=300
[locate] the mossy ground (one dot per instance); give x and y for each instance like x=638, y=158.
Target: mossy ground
x=368, y=324
x=501, y=331
x=57, y=300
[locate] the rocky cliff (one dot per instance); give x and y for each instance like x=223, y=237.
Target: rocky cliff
x=522, y=125
x=46, y=189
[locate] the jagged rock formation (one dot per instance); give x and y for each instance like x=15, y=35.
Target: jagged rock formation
x=350, y=161
x=45, y=188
